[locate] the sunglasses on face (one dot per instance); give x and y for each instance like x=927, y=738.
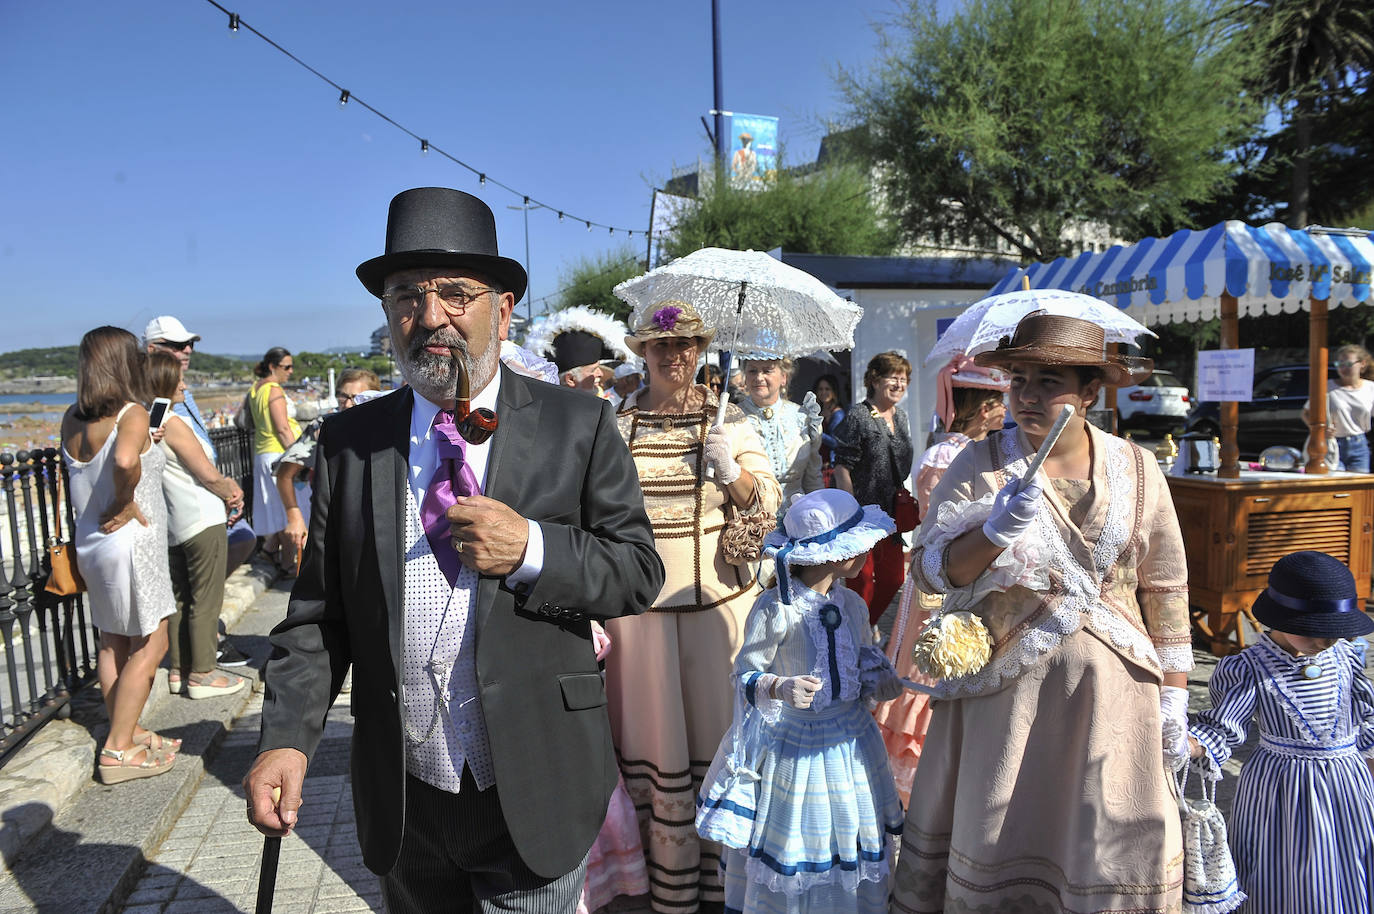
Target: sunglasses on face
x=176, y=347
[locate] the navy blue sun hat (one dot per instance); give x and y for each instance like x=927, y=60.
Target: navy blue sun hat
x=1312, y=594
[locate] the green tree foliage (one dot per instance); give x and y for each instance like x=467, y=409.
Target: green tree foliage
x=827, y=210
x=1316, y=54
x=1013, y=118
x=316, y=365
x=60, y=361
x=590, y=281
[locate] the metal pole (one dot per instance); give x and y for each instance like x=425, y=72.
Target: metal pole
x=529, y=294
x=722, y=141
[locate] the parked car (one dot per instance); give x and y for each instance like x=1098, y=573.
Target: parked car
x=1157, y=405
x=1273, y=415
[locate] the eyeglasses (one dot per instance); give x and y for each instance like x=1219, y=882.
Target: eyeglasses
x=455, y=298
x=286, y=366
x=175, y=347
x=1346, y=363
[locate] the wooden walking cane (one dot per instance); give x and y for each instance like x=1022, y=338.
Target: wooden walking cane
x=267, y=876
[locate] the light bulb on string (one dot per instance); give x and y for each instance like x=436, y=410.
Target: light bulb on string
x=343, y=98
x=560, y=217
x=424, y=147
x=611, y=230
x=482, y=179
x=527, y=201
x=233, y=23
x=589, y=226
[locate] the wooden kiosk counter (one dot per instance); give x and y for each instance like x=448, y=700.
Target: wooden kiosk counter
x=1235, y=529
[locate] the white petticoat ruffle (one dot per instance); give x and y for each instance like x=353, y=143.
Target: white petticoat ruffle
x=801, y=883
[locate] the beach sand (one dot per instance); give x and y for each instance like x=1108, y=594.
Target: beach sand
x=24, y=433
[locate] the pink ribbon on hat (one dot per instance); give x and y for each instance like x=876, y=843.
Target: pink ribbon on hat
x=961, y=371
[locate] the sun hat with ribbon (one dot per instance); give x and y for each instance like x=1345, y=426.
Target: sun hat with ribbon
x=1312, y=594
x=1042, y=338
x=827, y=525
x=670, y=318
x=962, y=371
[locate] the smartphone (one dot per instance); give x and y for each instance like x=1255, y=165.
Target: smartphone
x=158, y=414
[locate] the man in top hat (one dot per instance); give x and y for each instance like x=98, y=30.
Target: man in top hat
x=457, y=572
x=578, y=340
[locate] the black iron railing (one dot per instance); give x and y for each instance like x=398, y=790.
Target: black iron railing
x=47, y=644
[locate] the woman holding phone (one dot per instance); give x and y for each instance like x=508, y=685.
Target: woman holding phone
x=200, y=499
x=121, y=542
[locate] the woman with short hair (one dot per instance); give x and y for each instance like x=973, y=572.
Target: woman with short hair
x=872, y=462
x=200, y=499
x=791, y=434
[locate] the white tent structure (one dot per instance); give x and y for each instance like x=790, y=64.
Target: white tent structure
x=1225, y=271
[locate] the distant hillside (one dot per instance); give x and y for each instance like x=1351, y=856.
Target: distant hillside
x=60, y=361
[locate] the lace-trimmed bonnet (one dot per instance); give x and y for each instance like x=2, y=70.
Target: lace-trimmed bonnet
x=827, y=525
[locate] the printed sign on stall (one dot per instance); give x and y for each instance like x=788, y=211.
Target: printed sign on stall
x=1226, y=374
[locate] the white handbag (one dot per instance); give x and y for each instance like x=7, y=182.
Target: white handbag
x=1209, y=875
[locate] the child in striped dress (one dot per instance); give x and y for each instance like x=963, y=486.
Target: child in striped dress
x=1302, y=826
x=800, y=793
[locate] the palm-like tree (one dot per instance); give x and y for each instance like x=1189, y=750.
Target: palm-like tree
x=1315, y=49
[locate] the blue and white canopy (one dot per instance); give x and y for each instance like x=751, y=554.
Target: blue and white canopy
x=1268, y=269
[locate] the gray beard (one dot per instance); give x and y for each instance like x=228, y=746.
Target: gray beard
x=434, y=376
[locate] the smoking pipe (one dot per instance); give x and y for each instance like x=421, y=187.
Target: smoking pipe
x=475, y=425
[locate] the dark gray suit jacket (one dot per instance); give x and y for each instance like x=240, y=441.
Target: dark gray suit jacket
x=556, y=458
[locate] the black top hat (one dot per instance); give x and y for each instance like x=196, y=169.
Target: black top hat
x=1313, y=595
x=440, y=227
x=575, y=348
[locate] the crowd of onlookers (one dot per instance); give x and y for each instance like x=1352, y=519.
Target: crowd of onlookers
x=159, y=527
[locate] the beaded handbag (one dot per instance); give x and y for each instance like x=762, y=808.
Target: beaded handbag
x=1209, y=875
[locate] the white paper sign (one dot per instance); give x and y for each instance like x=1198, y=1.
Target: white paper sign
x=1226, y=374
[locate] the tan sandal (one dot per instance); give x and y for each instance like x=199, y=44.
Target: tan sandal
x=162, y=745
x=126, y=769
x=213, y=684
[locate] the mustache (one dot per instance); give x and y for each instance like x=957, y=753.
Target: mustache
x=438, y=337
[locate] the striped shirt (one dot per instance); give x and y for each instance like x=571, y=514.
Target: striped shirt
x=1302, y=826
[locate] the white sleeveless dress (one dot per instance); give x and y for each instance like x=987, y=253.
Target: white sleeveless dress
x=130, y=590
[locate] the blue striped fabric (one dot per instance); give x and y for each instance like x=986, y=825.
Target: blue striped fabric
x=1302, y=825
x=1183, y=274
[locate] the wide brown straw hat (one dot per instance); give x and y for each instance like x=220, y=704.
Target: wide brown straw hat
x=670, y=318
x=1042, y=338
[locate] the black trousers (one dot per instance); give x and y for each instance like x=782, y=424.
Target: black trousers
x=457, y=856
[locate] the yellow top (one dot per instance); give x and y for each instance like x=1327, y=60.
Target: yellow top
x=264, y=435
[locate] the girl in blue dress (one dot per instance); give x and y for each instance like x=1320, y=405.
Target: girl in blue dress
x=1302, y=826
x=799, y=793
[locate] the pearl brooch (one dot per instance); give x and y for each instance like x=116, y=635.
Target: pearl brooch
x=1312, y=670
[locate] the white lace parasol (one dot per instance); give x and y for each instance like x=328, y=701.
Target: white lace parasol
x=985, y=322
x=757, y=304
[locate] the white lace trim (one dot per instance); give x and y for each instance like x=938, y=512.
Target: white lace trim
x=868, y=871
x=1081, y=601
x=1274, y=678
x=1024, y=562
x=1175, y=658
x=846, y=657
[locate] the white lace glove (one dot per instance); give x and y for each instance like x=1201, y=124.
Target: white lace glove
x=1012, y=513
x=797, y=691
x=811, y=413
x=717, y=454
x=1173, y=717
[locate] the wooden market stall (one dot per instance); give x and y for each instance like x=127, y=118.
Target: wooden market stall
x=1237, y=522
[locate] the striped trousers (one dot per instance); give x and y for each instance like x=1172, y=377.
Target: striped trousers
x=457, y=856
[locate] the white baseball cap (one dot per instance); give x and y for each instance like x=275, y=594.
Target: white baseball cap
x=627, y=369
x=168, y=328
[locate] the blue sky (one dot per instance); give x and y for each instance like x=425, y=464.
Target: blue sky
x=152, y=163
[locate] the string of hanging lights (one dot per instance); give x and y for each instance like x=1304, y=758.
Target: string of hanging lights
x=346, y=97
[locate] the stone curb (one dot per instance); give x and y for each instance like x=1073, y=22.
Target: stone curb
x=56, y=764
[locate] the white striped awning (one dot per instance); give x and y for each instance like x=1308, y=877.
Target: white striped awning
x=1269, y=269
